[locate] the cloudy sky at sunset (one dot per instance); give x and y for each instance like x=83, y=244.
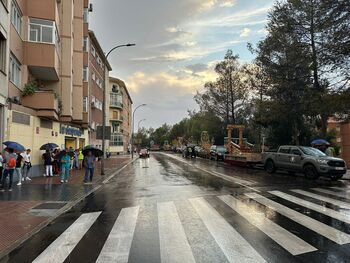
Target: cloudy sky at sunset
x=178, y=43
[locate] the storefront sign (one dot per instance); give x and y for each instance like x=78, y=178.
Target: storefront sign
x=71, y=131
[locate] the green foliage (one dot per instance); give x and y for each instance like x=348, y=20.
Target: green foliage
x=30, y=88
x=60, y=103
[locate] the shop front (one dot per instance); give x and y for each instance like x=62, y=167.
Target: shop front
x=73, y=137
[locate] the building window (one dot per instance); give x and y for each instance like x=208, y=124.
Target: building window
x=85, y=44
x=116, y=140
x=15, y=71
x=85, y=104
x=116, y=100
x=43, y=31
x=93, y=51
x=85, y=74
x=46, y=124
x=2, y=53
x=16, y=17
x=20, y=118
x=86, y=15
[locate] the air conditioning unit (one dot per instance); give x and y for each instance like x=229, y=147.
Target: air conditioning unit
x=91, y=8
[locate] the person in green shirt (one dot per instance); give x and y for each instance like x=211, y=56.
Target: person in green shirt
x=65, y=167
x=80, y=159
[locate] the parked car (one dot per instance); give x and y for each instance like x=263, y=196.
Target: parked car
x=200, y=152
x=217, y=152
x=311, y=161
x=144, y=153
x=189, y=151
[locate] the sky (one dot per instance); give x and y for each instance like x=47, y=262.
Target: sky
x=178, y=43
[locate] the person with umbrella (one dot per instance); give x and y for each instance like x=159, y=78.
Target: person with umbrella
x=47, y=157
x=89, y=163
x=10, y=165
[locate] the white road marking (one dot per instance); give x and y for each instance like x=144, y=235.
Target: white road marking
x=60, y=249
x=118, y=244
x=323, y=198
x=318, y=227
x=281, y=236
x=325, y=191
x=342, y=216
x=174, y=247
x=233, y=245
x=344, y=189
x=225, y=177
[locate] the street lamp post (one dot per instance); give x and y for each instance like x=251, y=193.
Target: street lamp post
x=132, y=132
x=104, y=105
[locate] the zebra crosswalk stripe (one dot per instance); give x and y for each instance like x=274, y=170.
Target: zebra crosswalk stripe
x=118, y=243
x=318, y=227
x=281, y=236
x=233, y=245
x=318, y=208
x=344, y=189
x=60, y=249
x=174, y=246
x=323, y=198
x=325, y=191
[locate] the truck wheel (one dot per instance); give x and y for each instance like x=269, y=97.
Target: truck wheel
x=270, y=167
x=310, y=172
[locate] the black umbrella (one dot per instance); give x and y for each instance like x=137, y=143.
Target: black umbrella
x=49, y=146
x=62, y=153
x=95, y=152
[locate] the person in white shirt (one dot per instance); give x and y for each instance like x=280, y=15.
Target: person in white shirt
x=27, y=165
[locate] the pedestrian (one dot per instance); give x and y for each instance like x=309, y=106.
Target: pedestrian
x=89, y=163
x=65, y=167
x=80, y=159
x=19, y=168
x=47, y=157
x=76, y=160
x=26, y=166
x=1, y=167
x=10, y=165
x=330, y=151
x=55, y=162
x=71, y=154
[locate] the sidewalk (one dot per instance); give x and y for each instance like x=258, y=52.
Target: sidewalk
x=34, y=204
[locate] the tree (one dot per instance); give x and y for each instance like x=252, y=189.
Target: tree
x=225, y=96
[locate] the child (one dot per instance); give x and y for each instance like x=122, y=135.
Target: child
x=65, y=167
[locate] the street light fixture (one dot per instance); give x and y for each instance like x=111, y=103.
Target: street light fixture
x=104, y=105
x=132, y=132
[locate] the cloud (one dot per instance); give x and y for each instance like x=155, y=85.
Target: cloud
x=228, y=3
x=245, y=32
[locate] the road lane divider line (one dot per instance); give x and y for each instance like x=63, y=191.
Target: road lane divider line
x=219, y=175
x=338, y=194
x=281, y=236
x=318, y=227
x=323, y=198
x=233, y=245
x=60, y=249
x=118, y=244
x=318, y=208
x=174, y=246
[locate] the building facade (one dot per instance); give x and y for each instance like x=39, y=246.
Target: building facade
x=93, y=100
x=120, y=111
x=4, y=58
x=342, y=138
x=46, y=73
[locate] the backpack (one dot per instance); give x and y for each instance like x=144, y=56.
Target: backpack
x=11, y=163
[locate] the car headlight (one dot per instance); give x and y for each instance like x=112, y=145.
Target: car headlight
x=322, y=161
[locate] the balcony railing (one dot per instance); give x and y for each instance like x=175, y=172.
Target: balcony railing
x=115, y=104
x=44, y=102
x=116, y=139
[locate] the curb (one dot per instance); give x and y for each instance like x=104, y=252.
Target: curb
x=61, y=211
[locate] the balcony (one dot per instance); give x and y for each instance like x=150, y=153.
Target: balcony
x=44, y=102
x=116, y=139
x=42, y=60
x=114, y=104
x=116, y=117
x=42, y=9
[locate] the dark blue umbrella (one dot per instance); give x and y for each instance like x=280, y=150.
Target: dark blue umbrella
x=15, y=146
x=49, y=146
x=320, y=142
x=96, y=152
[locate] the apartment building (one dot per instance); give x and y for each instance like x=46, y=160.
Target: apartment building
x=46, y=71
x=120, y=111
x=4, y=58
x=342, y=137
x=93, y=100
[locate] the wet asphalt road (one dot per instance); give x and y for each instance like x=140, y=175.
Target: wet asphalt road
x=170, y=209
